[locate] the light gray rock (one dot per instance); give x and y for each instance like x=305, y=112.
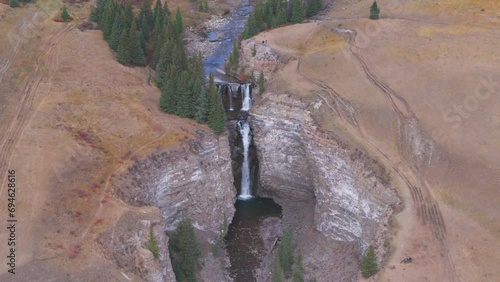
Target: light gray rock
x=354, y=198
x=192, y=181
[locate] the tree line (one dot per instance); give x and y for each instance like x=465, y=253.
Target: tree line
x=274, y=13
x=155, y=37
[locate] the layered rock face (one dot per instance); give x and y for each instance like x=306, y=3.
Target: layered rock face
x=128, y=241
x=352, y=193
x=194, y=180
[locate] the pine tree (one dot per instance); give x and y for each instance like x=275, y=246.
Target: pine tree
x=285, y=251
x=314, y=7
x=205, y=5
x=137, y=53
x=281, y=17
x=252, y=27
x=298, y=14
x=167, y=98
x=200, y=101
x=97, y=11
x=374, y=11
x=116, y=32
x=298, y=270
x=369, y=263
x=107, y=19
x=184, y=252
x=216, y=114
x=127, y=16
x=262, y=86
x=14, y=3
x=124, y=55
x=158, y=8
x=64, y=14
x=178, y=22
x=278, y=274
x=184, y=89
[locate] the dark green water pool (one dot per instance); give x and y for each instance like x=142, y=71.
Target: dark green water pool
x=243, y=242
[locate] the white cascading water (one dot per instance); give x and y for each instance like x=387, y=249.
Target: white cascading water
x=246, y=136
x=247, y=100
x=230, y=97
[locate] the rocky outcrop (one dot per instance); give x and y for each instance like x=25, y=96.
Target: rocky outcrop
x=259, y=57
x=194, y=180
x=352, y=192
x=127, y=244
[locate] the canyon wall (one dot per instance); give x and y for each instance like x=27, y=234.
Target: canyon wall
x=353, y=196
x=193, y=180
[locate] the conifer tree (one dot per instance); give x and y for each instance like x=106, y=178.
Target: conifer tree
x=64, y=14
x=281, y=17
x=278, y=274
x=116, y=32
x=185, y=98
x=14, y=3
x=200, y=101
x=374, y=11
x=178, y=22
x=298, y=14
x=298, y=270
x=184, y=252
x=137, y=53
x=369, y=263
x=166, y=10
x=262, y=81
x=285, y=251
x=124, y=52
x=168, y=99
x=205, y=5
x=216, y=113
x=97, y=11
x=107, y=19
x=157, y=9
x=314, y=7
x=127, y=16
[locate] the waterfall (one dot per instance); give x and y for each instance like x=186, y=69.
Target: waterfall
x=247, y=100
x=246, y=136
x=230, y=97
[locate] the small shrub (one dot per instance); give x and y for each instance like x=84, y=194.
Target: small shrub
x=254, y=51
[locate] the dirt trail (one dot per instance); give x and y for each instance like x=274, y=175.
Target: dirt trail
x=46, y=62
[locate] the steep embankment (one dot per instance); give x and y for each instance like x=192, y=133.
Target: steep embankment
x=192, y=181
x=354, y=199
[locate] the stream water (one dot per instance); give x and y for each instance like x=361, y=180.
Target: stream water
x=243, y=242
x=225, y=37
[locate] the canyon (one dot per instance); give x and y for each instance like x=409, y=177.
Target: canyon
x=344, y=140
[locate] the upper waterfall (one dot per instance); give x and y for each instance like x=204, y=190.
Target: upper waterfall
x=247, y=100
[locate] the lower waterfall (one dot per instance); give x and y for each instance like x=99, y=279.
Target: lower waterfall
x=246, y=137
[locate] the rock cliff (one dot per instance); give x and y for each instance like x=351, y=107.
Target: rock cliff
x=127, y=244
x=299, y=161
x=194, y=180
